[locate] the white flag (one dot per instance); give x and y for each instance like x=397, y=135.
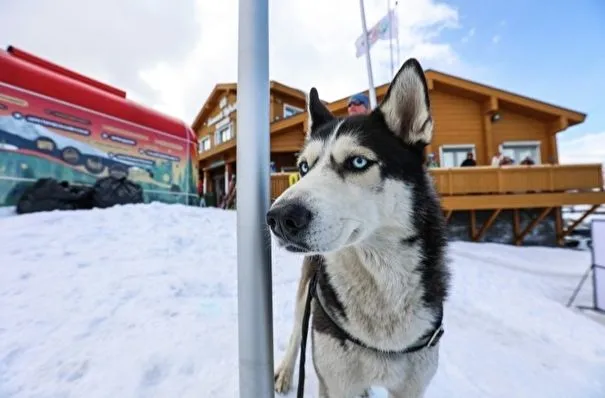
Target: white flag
x=386, y=27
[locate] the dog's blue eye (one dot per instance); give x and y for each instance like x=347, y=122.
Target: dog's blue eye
x=359, y=162
x=303, y=168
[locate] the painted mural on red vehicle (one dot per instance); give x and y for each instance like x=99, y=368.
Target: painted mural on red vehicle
x=44, y=137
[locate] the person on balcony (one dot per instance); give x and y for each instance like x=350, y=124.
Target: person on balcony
x=497, y=159
x=528, y=161
x=506, y=161
x=431, y=161
x=469, y=161
x=358, y=104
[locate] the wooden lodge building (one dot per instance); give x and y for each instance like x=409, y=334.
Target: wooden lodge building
x=507, y=204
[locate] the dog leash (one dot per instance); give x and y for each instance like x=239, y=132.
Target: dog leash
x=305, y=330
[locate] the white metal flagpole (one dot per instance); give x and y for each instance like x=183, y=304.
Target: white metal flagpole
x=391, y=37
x=397, y=38
x=254, y=285
x=372, y=89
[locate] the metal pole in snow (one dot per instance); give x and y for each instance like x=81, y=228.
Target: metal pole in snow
x=372, y=89
x=254, y=284
x=391, y=37
x=397, y=38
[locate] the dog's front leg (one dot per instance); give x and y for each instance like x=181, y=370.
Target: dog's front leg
x=421, y=369
x=323, y=392
x=283, y=374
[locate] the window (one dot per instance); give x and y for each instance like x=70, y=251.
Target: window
x=454, y=155
x=204, y=144
x=519, y=150
x=290, y=110
x=223, y=134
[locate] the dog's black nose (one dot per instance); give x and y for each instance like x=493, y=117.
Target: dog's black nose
x=288, y=220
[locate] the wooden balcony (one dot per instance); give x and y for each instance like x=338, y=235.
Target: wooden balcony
x=465, y=188
x=510, y=187
x=496, y=193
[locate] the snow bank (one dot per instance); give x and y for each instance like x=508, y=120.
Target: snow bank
x=140, y=301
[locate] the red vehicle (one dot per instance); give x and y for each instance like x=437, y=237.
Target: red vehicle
x=57, y=123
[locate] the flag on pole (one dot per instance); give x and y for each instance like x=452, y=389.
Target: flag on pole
x=384, y=29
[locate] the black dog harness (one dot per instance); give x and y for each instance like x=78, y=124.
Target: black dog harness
x=426, y=342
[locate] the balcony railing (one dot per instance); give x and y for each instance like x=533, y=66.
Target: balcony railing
x=518, y=179
x=499, y=180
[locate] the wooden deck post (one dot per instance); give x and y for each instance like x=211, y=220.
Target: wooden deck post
x=207, y=182
x=448, y=215
x=479, y=235
x=519, y=238
x=473, y=225
x=489, y=107
x=558, y=225
x=228, y=173
x=573, y=226
x=516, y=225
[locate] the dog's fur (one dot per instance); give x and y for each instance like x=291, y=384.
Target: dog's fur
x=367, y=217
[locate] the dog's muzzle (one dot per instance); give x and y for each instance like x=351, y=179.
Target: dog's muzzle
x=289, y=222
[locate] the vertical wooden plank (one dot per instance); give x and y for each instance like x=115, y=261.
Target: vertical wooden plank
x=272, y=107
x=207, y=182
x=551, y=179
x=305, y=126
x=558, y=125
x=489, y=107
x=488, y=143
x=429, y=149
x=473, y=226
x=558, y=226
x=554, y=152
x=516, y=226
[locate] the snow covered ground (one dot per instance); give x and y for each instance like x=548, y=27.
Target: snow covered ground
x=140, y=301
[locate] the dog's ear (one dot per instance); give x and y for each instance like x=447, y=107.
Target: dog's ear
x=317, y=112
x=406, y=105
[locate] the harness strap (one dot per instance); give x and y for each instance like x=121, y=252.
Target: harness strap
x=432, y=340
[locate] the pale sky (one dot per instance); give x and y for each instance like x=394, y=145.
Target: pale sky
x=169, y=57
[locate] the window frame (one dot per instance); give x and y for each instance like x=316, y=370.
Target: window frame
x=201, y=143
x=296, y=110
x=218, y=139
x=461, y=147
x=523, y=143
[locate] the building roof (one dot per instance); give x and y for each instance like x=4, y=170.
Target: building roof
x=574, y=117
x=211, y=102
x=476, y=90
x=562, y=117
x=222, y=88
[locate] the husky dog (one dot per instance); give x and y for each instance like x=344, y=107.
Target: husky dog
x=366, y=215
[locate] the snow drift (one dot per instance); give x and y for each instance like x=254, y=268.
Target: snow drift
x=140, y=301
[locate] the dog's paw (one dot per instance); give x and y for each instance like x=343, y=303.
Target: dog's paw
x=283, y=378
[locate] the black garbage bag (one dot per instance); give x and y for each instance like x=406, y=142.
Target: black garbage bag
x=48, y=194
x=110, y=191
